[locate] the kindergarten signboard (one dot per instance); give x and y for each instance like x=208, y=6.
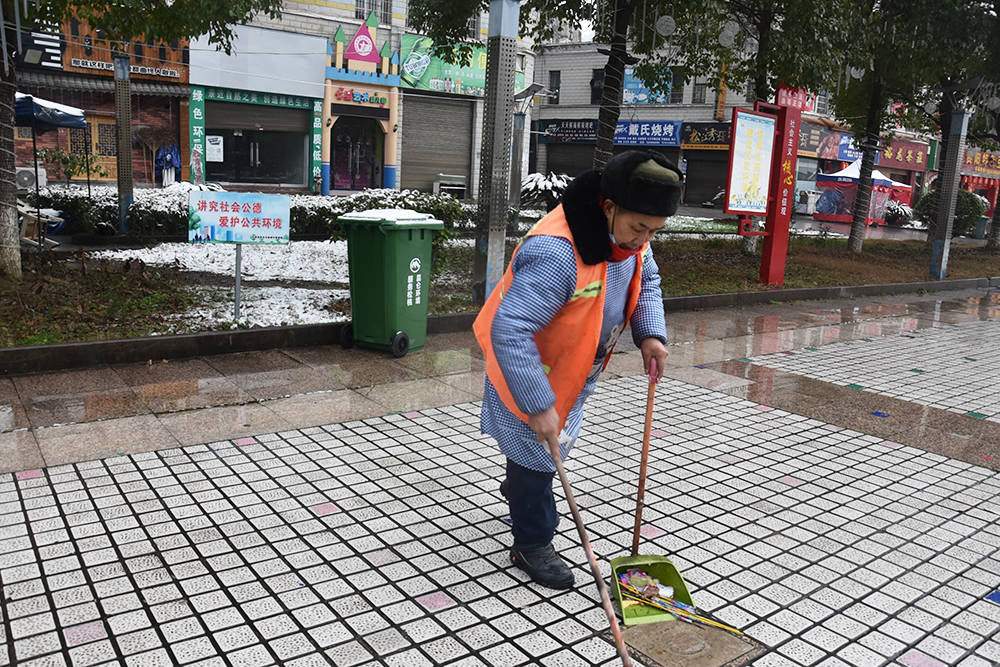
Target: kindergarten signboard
x=238, y=217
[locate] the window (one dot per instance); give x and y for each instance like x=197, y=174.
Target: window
x=23, y=132
x=677, y=86
x=596, y=86
x=473, y=26
x=79, y=140
x=555, y=80
x=698, y=94
x=822, y=104
x=106, y=144
x=382, y=9
x=519, y=62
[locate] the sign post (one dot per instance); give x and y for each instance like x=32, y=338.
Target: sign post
x=744, y=183
x=779, y=215
x=240, y=218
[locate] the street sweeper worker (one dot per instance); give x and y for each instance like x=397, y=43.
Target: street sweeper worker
x=549, y=326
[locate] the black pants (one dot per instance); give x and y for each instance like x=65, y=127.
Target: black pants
x=532, y=505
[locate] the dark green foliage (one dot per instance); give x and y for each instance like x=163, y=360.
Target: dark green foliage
x=968, y=210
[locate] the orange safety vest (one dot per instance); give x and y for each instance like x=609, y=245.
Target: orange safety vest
x=568, y=344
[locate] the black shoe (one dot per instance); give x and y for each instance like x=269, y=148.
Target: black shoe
x=543, y=565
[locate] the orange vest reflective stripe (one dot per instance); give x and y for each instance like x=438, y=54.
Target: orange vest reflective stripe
x=568, y=344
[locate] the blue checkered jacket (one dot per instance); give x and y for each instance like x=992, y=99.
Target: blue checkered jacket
x=544, y=279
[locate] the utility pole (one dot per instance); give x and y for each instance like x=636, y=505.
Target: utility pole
x=948, y=193
x=123, y=132
x=494, y=170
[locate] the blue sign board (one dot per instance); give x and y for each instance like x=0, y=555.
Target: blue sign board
x=848, y=150
x=238, y=217
x=634, y=91
x=648, y=133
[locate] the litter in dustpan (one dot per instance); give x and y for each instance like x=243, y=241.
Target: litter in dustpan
x=656, y=567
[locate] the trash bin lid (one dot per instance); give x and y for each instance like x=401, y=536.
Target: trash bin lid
x=393, y=218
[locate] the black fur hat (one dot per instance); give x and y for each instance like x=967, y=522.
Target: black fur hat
x=642, y=181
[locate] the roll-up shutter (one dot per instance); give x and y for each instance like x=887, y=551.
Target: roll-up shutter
x=225, y=116
x=706, y=175
x=437, y=139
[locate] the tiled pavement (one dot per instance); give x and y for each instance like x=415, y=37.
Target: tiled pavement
x=379, y=540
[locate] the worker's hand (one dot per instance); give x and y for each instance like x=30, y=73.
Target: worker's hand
x=653, y=348
x=545, y=425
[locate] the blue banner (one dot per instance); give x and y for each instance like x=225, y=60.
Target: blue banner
x=648, y=133
x=634, y=91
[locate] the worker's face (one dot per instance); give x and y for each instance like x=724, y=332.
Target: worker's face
x=629, y=228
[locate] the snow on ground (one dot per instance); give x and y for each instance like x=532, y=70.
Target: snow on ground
x=264, y=307
x=320, y=261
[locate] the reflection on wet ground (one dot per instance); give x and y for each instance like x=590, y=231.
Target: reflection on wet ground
x=49, y=417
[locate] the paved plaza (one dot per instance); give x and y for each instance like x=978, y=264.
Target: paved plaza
x=824, y=475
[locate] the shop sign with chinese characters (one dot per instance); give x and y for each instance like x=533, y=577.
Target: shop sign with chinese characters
x=803, y=100
x=648, y=133
x=981, y=163
x=361, y=96
x=750, y=162
x=238, y=217
x=216, y=94
x=705, y=136
x=567, y=131
x=907, y=155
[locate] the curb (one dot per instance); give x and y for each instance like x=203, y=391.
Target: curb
x=62, y=356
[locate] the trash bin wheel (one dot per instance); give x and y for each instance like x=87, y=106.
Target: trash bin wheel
x=400, y=344
x=347, y=335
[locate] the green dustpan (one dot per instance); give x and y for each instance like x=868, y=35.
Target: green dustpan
x=657, y=567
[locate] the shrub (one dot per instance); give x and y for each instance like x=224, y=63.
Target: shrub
x=541, y=191
x=163, y=212
x=897, y=214
x=969, y=208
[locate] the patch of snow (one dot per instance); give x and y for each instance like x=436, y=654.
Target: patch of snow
x=320, y=261
x=264, y=307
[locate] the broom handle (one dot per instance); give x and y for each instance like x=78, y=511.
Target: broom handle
x=594, y=568
x=640, y=494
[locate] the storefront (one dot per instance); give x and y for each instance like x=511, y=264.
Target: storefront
x=569, y=144
x=262, y=128
x=981, y=175
x=905, y=162
x=247, y=137
x=75, y=69
x=705, y=148
x=435, y=90
x=360, y=113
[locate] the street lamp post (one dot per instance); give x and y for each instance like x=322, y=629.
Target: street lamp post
x=123, y=132
x=494, y=171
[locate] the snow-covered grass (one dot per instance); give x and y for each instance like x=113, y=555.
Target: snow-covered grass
x=317, y=261
x=263, y=307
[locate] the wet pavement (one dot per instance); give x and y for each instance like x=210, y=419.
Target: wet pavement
x=824, y=474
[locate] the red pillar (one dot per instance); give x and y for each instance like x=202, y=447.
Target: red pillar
x=782, y=196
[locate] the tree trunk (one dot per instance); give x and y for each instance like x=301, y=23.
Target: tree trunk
x=614, y=76
x=859, y=221
x=946, y=108
x=10, y=244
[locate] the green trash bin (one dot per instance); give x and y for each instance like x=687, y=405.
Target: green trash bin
x=389, y=260
x=980, y=231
